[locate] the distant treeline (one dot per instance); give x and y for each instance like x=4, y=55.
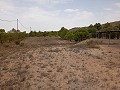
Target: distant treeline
x=42, y=34
x=17, y=36
x=75, y=34
x=12, y=36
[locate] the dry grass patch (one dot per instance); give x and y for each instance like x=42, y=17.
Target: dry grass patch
x=86, y=44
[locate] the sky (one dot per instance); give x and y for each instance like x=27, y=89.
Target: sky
x=51, y=15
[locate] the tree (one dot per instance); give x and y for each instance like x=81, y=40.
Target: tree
x=69, y=36
x=63, y=32
x=14, y=31
x=32, y=33
x=118, y=26
x=45, y=33
x=2, y=30
x=2, y=34
x=53, y=33
x=39, y=34
x=91, y=29
x=107, y=27
x=81, y=34
x=98, y=26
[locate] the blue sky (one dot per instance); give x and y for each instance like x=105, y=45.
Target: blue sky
x=48, y=15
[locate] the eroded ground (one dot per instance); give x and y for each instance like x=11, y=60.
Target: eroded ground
x=54, y=64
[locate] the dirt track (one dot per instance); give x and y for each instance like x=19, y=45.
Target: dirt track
x=55, y=64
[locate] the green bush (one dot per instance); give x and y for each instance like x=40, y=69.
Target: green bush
x=63, y=32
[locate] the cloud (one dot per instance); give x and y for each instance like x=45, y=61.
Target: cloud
x=113, y=16
x=53, y=20
x=6, y=6
x=79, y=14
x=39, y=16
x=71, y=10
x=52, y=1
x=107, y=9
x=117, y=4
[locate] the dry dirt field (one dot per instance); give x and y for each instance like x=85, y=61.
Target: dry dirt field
x=51, y=63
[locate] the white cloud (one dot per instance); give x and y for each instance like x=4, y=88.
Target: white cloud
x=54, y=20
x=71, y=10
x=6, y=6
x=52, y=1
x=113, y=16
x=117, y=4
x=40, y=17
x=79, y=14
x=107, y=9
x=104, y=17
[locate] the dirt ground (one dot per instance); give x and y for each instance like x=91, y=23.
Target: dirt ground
x=51, y=63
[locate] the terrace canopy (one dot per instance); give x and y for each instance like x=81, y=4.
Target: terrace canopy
x=111, y=34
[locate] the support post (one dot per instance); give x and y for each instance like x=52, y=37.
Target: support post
x=17, y=24
x=109, y=39
x=30, y=28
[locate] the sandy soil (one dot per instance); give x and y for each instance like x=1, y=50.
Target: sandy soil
x=54, y=64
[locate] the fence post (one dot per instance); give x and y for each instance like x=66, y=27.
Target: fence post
x=109, y=39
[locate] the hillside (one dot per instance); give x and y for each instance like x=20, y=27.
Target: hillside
x=115, y=23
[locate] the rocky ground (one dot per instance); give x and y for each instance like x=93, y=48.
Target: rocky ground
x=50, y=63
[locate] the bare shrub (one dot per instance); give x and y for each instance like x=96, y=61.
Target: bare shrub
x=17, y=42
x=92, y=44
x=87, y=44
x=21, y=44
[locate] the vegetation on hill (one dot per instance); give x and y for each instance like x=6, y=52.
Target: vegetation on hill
x=43, y=34
x=17, y=36
x=79, y=34
x=75, y=34
x=12, y=36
